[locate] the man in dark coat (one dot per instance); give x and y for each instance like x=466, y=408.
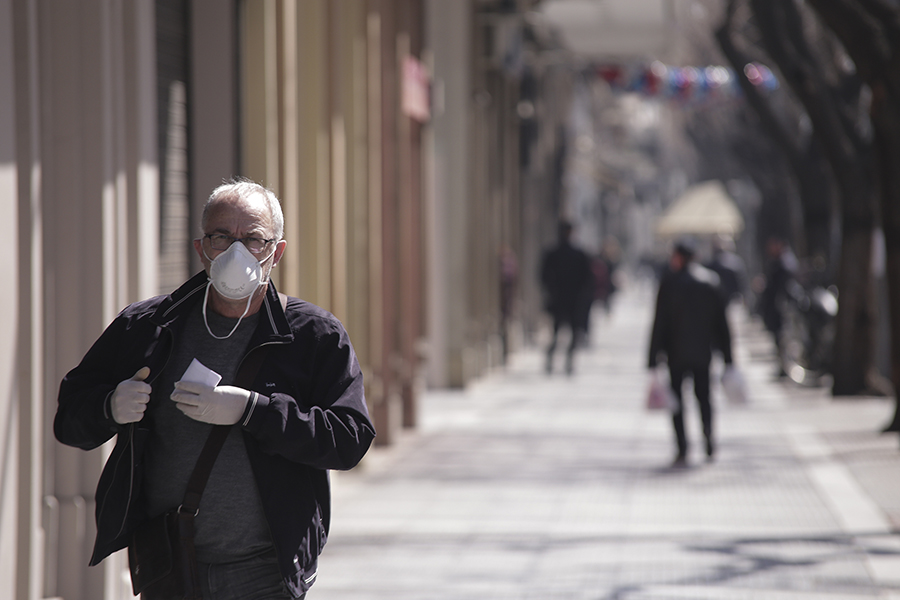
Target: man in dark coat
x=264, y=515
x=568, y=286
x=690, y=323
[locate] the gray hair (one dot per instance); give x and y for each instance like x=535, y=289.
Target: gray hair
x=245, y=188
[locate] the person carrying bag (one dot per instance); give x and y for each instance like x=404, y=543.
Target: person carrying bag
x=265, y=513
x=161, y=555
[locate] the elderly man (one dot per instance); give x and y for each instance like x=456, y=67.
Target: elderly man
x=263, y=515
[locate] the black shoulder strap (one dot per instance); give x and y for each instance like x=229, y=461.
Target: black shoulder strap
x=197, y=483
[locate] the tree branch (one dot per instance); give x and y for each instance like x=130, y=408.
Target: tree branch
x=790, y=51
x=871, y=36
x=760, y=105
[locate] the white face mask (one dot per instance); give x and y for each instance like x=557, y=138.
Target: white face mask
x=235, y=274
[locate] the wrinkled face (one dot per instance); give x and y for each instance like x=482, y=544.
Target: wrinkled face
x=243, y=219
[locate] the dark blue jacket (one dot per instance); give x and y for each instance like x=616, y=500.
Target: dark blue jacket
x=690, y=320
x=311, y=416
x=568, y=282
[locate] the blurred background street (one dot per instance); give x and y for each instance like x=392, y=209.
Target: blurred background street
x=425, y=153
x=534, y=486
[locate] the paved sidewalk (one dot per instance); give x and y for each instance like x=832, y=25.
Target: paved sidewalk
x=526, y=486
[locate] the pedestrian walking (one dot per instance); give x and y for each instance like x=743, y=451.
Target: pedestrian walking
x=689, y=324
x=567, y=281
x=605, y=267
x=781, y=271
x=225, y=359
x=509, y=281
x=729, y=267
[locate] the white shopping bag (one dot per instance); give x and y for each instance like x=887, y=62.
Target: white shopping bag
x=659, y=392
x=734, y=385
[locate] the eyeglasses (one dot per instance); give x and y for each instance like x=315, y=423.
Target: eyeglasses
x=220, y=241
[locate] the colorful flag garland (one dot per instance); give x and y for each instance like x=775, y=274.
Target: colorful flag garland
x=684, y=84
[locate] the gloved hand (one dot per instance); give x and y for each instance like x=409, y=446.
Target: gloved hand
x=221, y=405
x=130, y=398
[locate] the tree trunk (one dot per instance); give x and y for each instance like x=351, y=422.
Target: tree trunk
x=870, y=33
x=816, y=185
x=886, y=123
x=834, y=119
x=854, y=335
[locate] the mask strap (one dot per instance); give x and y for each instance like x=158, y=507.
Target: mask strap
x=269, y=274
x=236, y=325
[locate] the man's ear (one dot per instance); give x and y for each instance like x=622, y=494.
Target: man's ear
x=198, y=246
x=279, y=251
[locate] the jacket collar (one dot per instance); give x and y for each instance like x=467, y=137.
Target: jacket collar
x=272, y=326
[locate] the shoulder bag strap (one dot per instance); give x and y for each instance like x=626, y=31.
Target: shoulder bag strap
x=197, y=483
x=190, y=574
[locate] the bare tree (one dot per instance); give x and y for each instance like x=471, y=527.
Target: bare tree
x=832, y=98
x=870, y=33
x=812, y=177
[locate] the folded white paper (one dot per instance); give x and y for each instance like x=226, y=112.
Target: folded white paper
x=197, y=372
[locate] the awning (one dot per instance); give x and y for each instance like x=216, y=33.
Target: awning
x=703, y=209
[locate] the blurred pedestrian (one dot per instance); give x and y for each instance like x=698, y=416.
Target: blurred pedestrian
x=729, y=267
x=224, y=372
x=605, y=267
x=781, y=270
x=509, y=281
x=689, y=324
x=568, y=292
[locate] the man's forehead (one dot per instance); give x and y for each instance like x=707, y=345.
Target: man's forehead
x=252, y=209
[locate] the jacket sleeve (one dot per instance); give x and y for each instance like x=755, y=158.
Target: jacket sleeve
x=329, y=428
x=544, y=271
x=657, y=332
x=722, y=330
x=83, y=418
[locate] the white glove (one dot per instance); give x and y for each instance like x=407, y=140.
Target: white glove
x=221, y=405
x=130, y=398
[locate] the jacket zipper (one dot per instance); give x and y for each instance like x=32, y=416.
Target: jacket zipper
x=130, y=478
x=132, y=457
x=130, y=482
x=132, y=427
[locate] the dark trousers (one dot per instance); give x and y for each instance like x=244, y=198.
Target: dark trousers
x=576, y=331
x=700, y=375
x=254, y=578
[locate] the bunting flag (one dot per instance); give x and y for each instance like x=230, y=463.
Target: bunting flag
x=684, y=84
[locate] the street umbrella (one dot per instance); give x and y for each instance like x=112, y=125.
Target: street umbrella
x=704, y=209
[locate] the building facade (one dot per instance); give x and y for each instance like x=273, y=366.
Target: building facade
x=392, y=130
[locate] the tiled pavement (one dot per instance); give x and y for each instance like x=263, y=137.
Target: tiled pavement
x=525, y=486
